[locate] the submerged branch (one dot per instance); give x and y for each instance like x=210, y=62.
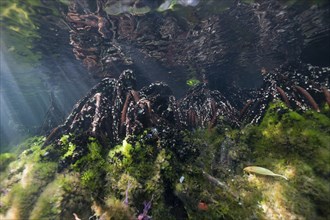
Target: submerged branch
x=214, y=180
x=220, y=184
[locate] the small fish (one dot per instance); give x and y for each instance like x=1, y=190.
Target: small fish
x=262, y=171
x=192, y=82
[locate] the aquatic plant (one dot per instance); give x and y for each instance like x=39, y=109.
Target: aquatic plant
x=91, y=166
x=296, y=144
x=266, y=145
x=5, y=159
x=24, y=186
x=116, y=181
x=62, y=197
x=145, y=167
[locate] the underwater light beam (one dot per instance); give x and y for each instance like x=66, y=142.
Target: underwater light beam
x=13, y=100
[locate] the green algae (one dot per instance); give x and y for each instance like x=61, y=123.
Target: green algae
x=24, y=191
x=5, y=159
x=91, y=167
x=290, y=143
x=25, y=177
x=147, y=169
x=114, y=209
x=295, y=136
x=299, y=145
x=61, y=198
x=35, y=191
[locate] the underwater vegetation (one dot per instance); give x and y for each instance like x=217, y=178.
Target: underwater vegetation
x=140, y=177
x=128, y=152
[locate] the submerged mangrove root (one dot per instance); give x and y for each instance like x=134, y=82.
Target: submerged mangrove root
x=326, y=95
x=284, y=96
x=309, y=98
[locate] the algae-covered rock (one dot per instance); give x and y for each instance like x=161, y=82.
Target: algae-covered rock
x=287, y=142
x=296, y=145
x=23, y=181
x=142, y=176
x=5, y=159
x=61, y=198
